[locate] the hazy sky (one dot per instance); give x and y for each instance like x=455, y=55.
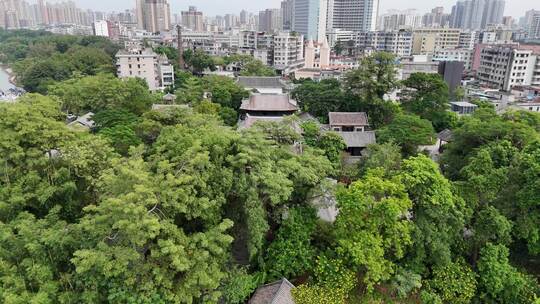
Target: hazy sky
x=514, y=8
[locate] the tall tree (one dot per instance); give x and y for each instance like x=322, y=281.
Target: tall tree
x=376, y=76
x=438, y=213
x=427, y=95
x=372, y=230
x=409, y=132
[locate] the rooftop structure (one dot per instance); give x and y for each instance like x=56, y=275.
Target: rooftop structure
x=275, y=293
x=269, y=103
x=263, y=85
x=344, y=119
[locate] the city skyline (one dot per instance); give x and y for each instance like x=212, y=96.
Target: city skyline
x=516, y=9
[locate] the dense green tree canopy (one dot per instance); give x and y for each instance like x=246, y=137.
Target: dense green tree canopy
x=409, y=132
x=95, y=93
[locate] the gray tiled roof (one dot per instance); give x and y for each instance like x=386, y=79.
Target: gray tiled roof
x=249, y=121
x=260, y=82
x=84, y=121
x=348, y=119
x=275, y=293
x=358, y=139
x=270, y=102
x=445, y=135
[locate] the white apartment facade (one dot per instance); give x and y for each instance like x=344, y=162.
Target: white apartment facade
x=155, y=69
x=502, y=67
x=397, y=42
x=463, y=55
x=101, y=28
x=288, y=52
x=353, y=15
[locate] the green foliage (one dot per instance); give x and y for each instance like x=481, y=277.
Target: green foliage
x=406, y=282
x=522, y=197
x=40, y=59
x=96, y=93
x=311, y=131
x=453, y=283
x=282, y=132
x=291, y=254
x=111, y=118
x=483, y=127
x=428, y=96
x=334, y=275
x=376, y=76
x=224, y=91
x=239, y=286
x=371, y=229
x=333, y=145
x=191, y=91
x=437, y=211
x=198, y=61
x=144, y=230
x=409, y=132
x=121, y=138
x=386, y=156
x=256, y=68
x=500, y=282
x=305, y=294
x=320, y=98
x=247, y=64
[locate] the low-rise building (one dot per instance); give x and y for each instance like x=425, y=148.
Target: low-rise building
x=429, y=40
x=505, y=66
x=274, y=293
x=463, y=107
x=353, y=127
x=417, y=64
x=462, y=55
x=263, y=85
x=266, y=107
x=396, y=42
x=155, y=69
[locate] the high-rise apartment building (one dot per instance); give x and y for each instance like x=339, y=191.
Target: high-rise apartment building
x=102, y=28
x=309, y=18
x=270, y=20
x=154, y=15
x=436, y=18
x=395, y=20
x=244, y=17
x=533, y=26
x=287, y=10
x=192, y=19
x=353, y=15
x=477, y=14
x=21, y=14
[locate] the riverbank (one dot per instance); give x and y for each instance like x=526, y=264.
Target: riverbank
x=8, y=89
x=9, y=71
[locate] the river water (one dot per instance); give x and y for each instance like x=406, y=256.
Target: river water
x=4, y=81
